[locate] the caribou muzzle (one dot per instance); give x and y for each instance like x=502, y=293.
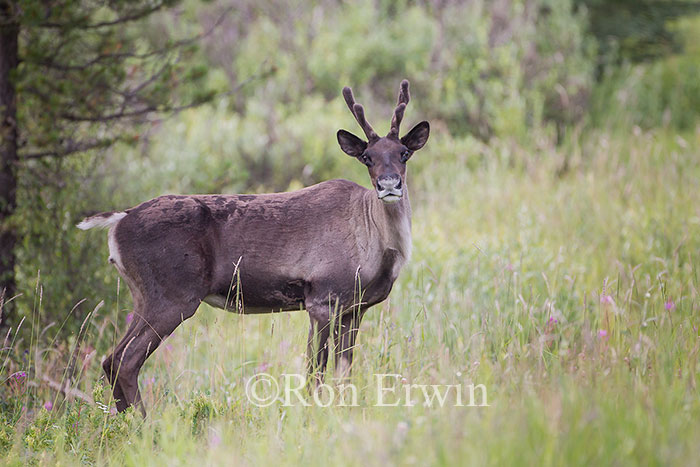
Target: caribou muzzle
x=389, y=188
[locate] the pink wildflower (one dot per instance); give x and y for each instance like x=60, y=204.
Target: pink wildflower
x=16, y=382
x=214, y=440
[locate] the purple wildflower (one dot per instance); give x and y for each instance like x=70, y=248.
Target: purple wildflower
x=17, y=378
x=16, y=382
x=603, y=334
x=48, y=405
x=606, y=299
x=670, y=305
x=129, y=318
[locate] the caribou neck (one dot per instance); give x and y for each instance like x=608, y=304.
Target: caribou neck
x=392, y=221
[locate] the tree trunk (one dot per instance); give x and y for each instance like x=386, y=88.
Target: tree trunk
x=9, y=32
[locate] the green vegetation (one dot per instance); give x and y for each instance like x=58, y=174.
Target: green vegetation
x=555, y=231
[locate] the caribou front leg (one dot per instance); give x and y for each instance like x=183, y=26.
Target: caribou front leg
x=317, y=347
x=344, y=336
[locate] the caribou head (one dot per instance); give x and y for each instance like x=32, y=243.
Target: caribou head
x=385, y=157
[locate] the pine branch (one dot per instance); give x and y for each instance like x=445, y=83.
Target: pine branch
x=122, y=113
x=70, y=148
x=49, y=63
x=121, y=20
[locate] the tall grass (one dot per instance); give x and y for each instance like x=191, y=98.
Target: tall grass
x=563, y=279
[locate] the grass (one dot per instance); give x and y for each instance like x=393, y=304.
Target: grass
x=562, y=279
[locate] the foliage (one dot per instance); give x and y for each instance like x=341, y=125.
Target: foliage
x=88, y=71
x=662, y=93
x=482, y=68
x=637, y=30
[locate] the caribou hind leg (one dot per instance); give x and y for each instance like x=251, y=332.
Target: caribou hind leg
x=152, y=323
x=111, y=367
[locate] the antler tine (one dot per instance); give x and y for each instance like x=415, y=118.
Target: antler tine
x=396, y=119
x=404, y=95
x=349, y=98
x=402, y=102
x=359, y=113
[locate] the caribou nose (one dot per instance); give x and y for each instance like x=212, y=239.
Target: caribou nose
x=389, y=188
x=389, y=183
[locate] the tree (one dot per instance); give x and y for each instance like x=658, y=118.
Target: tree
x=78, y=76
x=9, y=34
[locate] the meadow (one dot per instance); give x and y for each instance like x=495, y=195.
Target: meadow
x=570, y=294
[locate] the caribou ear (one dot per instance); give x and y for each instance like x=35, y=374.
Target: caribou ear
x=351, y=144
x=417, y=137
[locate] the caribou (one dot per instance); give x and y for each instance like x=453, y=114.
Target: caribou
x=333, y=249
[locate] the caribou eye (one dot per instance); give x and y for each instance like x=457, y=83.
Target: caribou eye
x=366, y=160
x=405, y=155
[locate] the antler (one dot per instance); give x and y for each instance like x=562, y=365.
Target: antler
x=404, y=97
x=359, y=113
